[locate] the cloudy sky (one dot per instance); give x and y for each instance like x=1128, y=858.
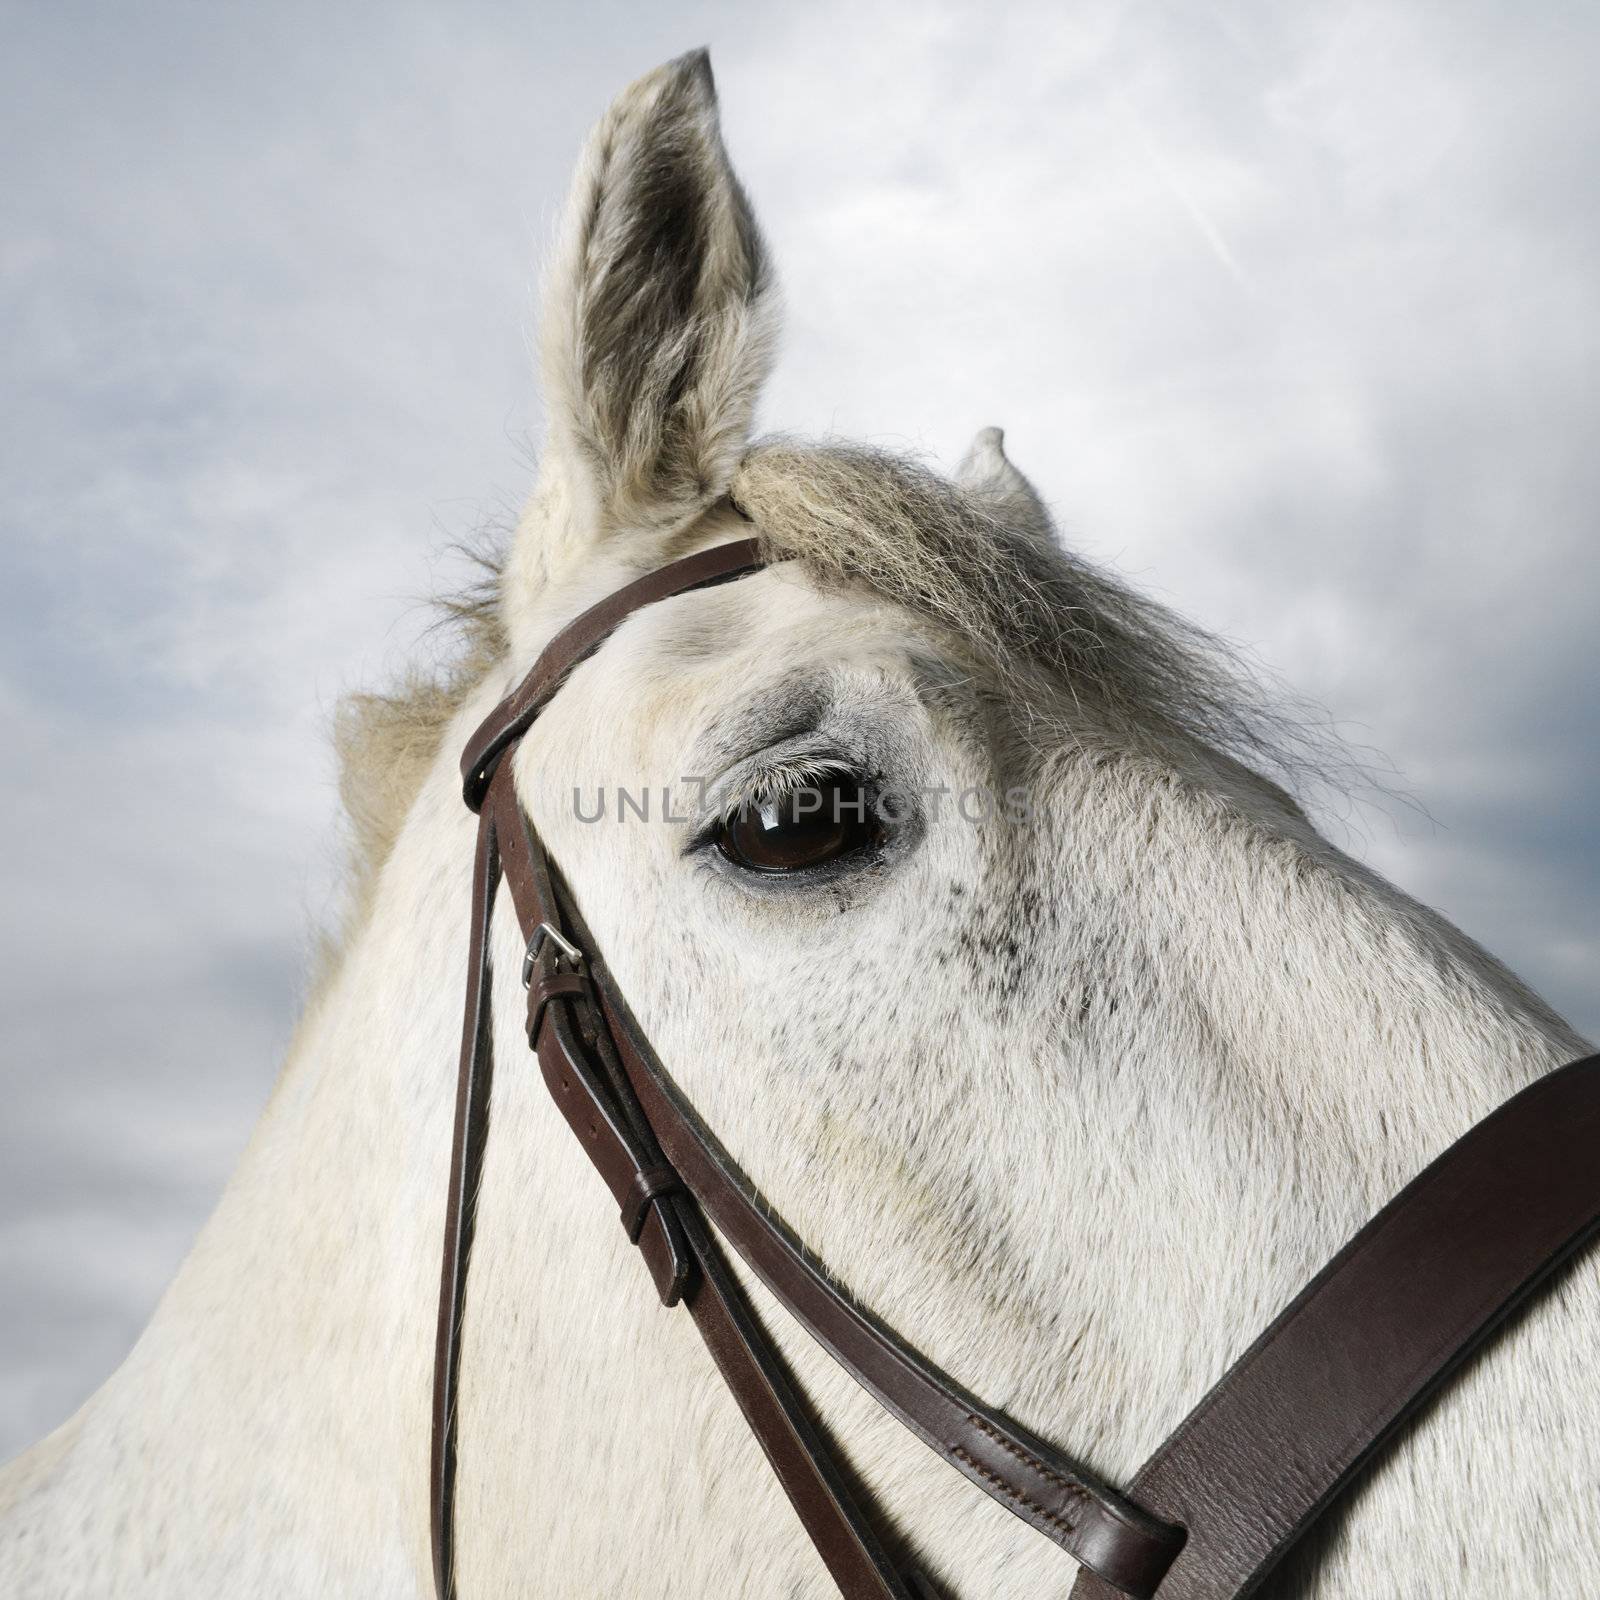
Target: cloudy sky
x=1292, y=311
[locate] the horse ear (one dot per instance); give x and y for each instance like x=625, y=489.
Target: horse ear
x=986, y=473
x=658, y=322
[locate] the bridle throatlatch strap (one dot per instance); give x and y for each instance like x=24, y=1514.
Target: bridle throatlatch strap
x=1217, y=1504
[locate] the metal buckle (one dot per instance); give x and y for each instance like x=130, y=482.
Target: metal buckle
x=566, y=950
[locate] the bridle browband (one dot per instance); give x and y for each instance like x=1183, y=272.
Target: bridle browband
x=1257, y=1461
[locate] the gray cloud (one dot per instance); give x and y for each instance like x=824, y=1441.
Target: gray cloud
x=1291, y=312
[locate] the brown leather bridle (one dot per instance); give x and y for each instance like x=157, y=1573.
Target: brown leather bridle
x=1256, y=1462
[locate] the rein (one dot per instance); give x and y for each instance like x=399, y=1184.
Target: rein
x=1254, y=1465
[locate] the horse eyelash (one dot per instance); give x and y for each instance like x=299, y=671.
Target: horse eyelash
x=768, y=784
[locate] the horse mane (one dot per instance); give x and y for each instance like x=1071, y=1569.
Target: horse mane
x=385, y=740
x=1076, y=656
x=1064, y=644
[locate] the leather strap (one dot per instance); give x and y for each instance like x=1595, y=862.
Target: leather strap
x=580, y=639
x=581, y=1073
x=1259, y=1459
x=1065, y=1502
x=1374, y=1335
x=684, y=1260
x=466, y=1164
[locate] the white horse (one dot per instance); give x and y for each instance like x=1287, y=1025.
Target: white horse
x=1076, y=1101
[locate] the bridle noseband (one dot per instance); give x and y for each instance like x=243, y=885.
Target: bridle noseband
x=1323, y=1388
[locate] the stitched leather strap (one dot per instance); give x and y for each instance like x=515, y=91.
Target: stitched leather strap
x=1377, y=1332
x=1025, y=1475
x=685, y=1263
x=1065, y=1502
x=581, y=1073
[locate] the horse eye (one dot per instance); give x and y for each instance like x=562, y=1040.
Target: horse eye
x=805, y=828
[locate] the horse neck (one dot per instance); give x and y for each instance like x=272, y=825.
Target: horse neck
x=269, y=1432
